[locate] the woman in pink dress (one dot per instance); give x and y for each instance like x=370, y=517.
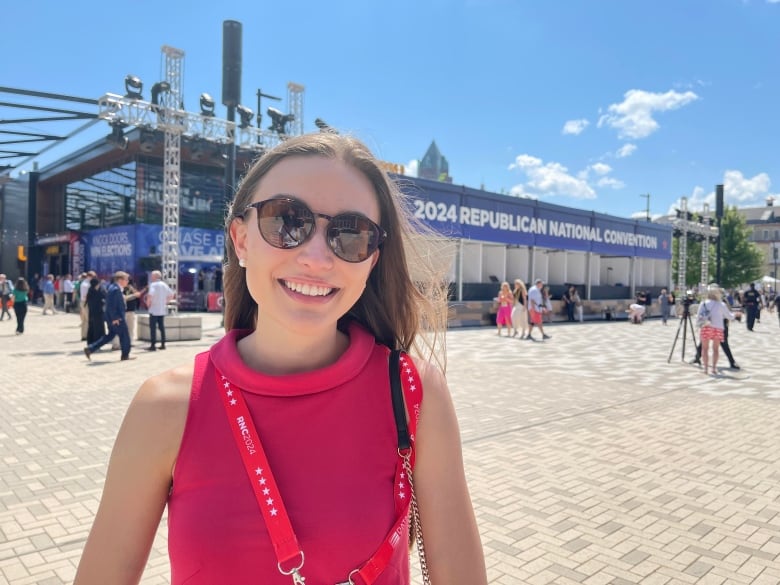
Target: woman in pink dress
x=506, y=301
x=287, y=451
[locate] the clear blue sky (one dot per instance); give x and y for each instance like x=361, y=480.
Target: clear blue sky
x=582, y=103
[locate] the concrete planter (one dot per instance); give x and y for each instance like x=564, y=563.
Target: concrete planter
x=177, y=327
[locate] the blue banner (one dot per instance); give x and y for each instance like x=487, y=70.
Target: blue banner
x=121, y=248
x=461, y=212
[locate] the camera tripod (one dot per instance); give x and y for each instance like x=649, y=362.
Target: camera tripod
x=685, y=322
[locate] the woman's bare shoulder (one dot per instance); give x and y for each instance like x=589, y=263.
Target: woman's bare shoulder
x=158, y=411
x=433, y=380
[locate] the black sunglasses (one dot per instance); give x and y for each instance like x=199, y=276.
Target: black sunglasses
x=288, y=223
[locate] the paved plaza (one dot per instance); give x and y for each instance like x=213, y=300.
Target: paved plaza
x=591, y=460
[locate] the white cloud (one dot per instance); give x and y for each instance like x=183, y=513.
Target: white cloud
x=633, y=117
x=410, y=170
x=626, y=150
x=575, y=126
x=737, y=190
x=601, y=168
x=548, y=179
x=610, y=182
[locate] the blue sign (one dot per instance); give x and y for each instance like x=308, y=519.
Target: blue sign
x=120, y=248
x=461, y=212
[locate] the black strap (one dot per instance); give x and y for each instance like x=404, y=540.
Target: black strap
x=398, y=401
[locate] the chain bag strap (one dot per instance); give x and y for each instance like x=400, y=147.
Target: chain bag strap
x=406, y=442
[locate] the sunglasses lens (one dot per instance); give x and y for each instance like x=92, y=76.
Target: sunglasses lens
x=283, y=223
x=352, y=237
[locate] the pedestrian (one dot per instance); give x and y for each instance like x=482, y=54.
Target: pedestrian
x=664, y=302
x=35, y=285
x=505, y=303
x=776, y=303
x=724, y=345
x=132, y=301
x=711, y=314
x=568, y=301
x=115, y=318
x=95, y=302
x=84, y=286
x=67, y=291
x=751, y=300
x=157, y=298
x=6, y=294
x=574, y=296
x=21, y=296
x=303, y=378
x=48, y=295
x=536, y=309
x=547, y=296
x=636, y=312
x=519, y=311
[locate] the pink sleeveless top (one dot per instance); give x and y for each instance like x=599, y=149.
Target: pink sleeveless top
x=331, y=442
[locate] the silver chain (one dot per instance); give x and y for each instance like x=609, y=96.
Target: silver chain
x=418, y=534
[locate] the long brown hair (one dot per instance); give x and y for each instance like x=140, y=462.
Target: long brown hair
x=393, y=308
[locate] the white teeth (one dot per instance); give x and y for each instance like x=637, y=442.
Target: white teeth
x=308, y=289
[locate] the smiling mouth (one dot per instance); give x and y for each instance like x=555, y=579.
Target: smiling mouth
x=308, y=290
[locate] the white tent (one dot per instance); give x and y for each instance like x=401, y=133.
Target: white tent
x=769, y=280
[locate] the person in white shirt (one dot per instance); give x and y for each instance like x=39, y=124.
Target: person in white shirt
x=67, y=291
x=157, y=300
x=536, y=308
x=83, y=290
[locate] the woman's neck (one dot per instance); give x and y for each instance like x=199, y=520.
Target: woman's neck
x=280, y=352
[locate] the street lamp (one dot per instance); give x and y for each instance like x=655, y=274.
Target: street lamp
x=647, y=212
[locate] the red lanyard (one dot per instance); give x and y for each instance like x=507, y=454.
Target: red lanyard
x=289, y=555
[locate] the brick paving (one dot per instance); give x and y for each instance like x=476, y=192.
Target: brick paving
x=591, y=460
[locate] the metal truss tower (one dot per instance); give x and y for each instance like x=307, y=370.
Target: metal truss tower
x=173, y=125
x=705, y=248
x=682, y=249
x=295, y=104
x=683, y=227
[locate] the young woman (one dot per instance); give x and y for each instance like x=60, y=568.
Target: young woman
x=519, y=311
x=712, y=333
x=506, y=301
x=317, y=290
x=21, y=298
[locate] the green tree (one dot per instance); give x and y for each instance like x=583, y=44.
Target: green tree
x=741, y=259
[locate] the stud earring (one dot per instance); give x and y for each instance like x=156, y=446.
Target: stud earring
x=242, y=263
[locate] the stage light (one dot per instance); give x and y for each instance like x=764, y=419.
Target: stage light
x=324, y=126
x=117, y=136
x=279, y=121
x=206, y=105
x=246, y=116
x=157, y=89
x=133, y=87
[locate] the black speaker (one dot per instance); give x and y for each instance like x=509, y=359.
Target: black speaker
x=719, y=201
x=231, y=63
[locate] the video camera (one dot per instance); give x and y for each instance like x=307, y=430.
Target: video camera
x=687, y=301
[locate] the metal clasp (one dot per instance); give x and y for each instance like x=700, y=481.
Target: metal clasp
x=295, y=572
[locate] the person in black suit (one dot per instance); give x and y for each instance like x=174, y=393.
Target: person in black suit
x=751, y=300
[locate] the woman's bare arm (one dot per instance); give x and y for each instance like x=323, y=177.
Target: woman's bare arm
x=137, y=483
x=452, y=543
